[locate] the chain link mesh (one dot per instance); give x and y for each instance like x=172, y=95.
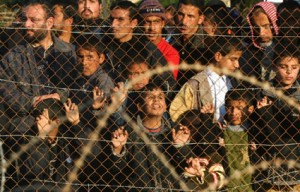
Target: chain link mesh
x=61, y=150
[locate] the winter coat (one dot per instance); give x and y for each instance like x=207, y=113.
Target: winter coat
x=22, y=80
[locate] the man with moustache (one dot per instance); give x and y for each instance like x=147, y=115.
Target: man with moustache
x=191, y=42
x=88, y=21
x=35, y=70
x=154, y=20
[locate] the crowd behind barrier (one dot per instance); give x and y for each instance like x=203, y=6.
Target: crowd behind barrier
x=194, y=96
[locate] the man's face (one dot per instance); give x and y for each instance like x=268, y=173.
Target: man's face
x=36, y=24
x=188, y=18
x=155, y=104
x=287, y=71
x=89, y=60
x=122, y=25
x=235, y=112
x=262, y=28
x=138, y=70
x=59, y=21
x=153, y=28
x=89, y=9
x=229, y=61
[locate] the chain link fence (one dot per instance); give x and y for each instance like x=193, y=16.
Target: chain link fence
x=225, y=119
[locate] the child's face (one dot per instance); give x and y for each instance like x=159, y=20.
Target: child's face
x=235, y=112
x=137, y=70
x=287, y=71
x=89, y=60
x=154, y=103
x=229, y=61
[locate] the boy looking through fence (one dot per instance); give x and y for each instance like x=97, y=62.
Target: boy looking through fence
x=50, y=159
x=278, y=126
x=224, y=143
x=132, y=153
x=209, y=87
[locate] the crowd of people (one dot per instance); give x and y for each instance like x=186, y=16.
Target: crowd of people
x=63, y=68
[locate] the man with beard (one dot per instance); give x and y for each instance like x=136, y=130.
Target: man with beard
x=63, y=14
x=88, y=22
x=39, y=69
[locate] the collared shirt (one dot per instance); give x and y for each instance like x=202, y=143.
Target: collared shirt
x=219, y=85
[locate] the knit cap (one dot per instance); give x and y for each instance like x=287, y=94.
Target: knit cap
x=152, y=8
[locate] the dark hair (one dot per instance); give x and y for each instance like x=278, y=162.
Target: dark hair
x=288, y=18
x=127, y=5
x=54, y=106
x=148, y=88
x=91, y=45
x=285, y=49
x=45, y=5
x=224, y=45
x=197, y=3
x=136, y=60
x=219, y=15
x=100, y=1
x=245, y=95
x=191, y=119
x=67, y=9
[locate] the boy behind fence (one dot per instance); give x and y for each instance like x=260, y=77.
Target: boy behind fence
x=226, y=143
x=47, y=162
x=208, y=86
x=278, y=125
x=142, y=168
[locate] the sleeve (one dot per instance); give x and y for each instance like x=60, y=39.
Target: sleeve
x=19, y=97
x=37, y=161
x=183, y=101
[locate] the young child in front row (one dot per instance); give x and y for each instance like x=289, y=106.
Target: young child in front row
x=234, y=135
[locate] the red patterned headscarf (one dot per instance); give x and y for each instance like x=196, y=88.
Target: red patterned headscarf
x=271, y=12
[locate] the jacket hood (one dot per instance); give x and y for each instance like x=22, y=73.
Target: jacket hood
x=271, y=12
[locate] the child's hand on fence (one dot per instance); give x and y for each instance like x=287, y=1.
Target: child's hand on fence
x=98, y=98
x=253, y=146
x=207, y=108
x=119, y=139
x=119, y=94
x=182, y=135
x=196, y=167
x=72, y=112
x=263, y=102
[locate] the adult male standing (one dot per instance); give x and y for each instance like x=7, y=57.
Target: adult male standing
x=257, y=59
x=124, y=45
x=154, y=19
x=88, y=21
x=35, y=70
x=191, y=42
